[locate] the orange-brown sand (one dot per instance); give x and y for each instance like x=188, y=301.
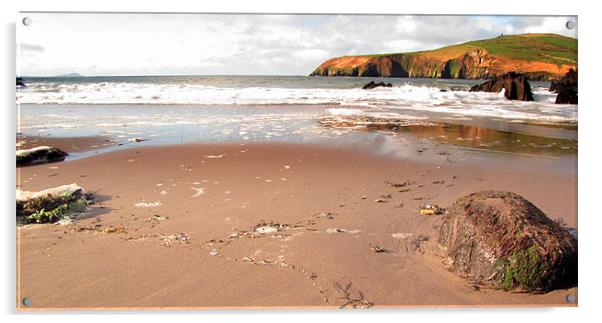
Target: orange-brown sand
x=174, y=227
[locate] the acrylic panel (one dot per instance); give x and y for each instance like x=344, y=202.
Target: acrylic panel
x=236, y=161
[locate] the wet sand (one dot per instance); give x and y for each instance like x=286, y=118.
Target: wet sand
x=66, y=144
x=269, y=225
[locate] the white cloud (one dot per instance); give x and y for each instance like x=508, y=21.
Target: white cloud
x=314, y=54
x=406, y=24
x=556, y=25
x=108, y=44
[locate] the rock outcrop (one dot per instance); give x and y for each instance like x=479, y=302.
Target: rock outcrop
x=515, y=86
x=373, y=84
x=501, y=240
x=566, y=88
x=472, y=60
x=40, y=154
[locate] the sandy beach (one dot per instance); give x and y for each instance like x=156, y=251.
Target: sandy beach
x=269, y=225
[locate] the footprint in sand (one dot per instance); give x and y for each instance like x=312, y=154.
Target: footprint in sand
x=198, y=191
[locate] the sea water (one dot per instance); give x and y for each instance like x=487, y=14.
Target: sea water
x=175, y=109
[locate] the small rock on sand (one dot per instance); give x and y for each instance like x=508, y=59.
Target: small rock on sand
x=40, y=154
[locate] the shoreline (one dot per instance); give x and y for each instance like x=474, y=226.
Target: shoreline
x=173, y=227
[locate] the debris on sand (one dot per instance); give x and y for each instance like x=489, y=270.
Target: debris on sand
x=325, y=215
x=136, y=139
x=100, y=229
x=215, y=156
x=431, y=210
x=167, y=240
x=198, y=191
x=52, y=205
x=397, y=185
x=377, y=248
x=266, y=229
x=38, y=155
x=148, y=204
x=353, y=298
x=337, y=230
x=401, y=235
x=157, y=218
x=417, y=243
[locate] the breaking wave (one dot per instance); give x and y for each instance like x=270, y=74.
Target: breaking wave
x=398, y=100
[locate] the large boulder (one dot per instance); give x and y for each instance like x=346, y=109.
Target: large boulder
x=373, y=84
x=501, y=240
x=40, y=154
x=515, y=86
x=566, y=88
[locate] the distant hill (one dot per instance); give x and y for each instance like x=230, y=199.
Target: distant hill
x=539, y=56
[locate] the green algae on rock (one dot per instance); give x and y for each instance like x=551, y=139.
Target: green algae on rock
x=51, y=205
x=501, y=240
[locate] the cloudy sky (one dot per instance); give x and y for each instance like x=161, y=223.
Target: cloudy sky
x=197, y=44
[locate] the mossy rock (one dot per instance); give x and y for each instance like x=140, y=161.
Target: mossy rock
x=51, y=205
x=501, y=240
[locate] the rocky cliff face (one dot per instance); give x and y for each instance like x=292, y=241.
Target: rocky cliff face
x=464, y=61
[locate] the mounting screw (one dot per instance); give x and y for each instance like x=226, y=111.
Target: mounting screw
x=570, y=298
x=570, y=24
x=26, y=21
x=27, y=301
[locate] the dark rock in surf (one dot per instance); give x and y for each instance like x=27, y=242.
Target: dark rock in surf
x=566, y=88
x=20, y=82
x=516, y=86
x=373, y=84
x=501, y=240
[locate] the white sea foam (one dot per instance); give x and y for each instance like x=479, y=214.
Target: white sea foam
x=381, y=102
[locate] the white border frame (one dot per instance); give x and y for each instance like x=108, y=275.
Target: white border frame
x=589, y=162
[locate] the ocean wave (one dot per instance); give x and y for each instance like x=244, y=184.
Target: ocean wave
x=395, y=100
